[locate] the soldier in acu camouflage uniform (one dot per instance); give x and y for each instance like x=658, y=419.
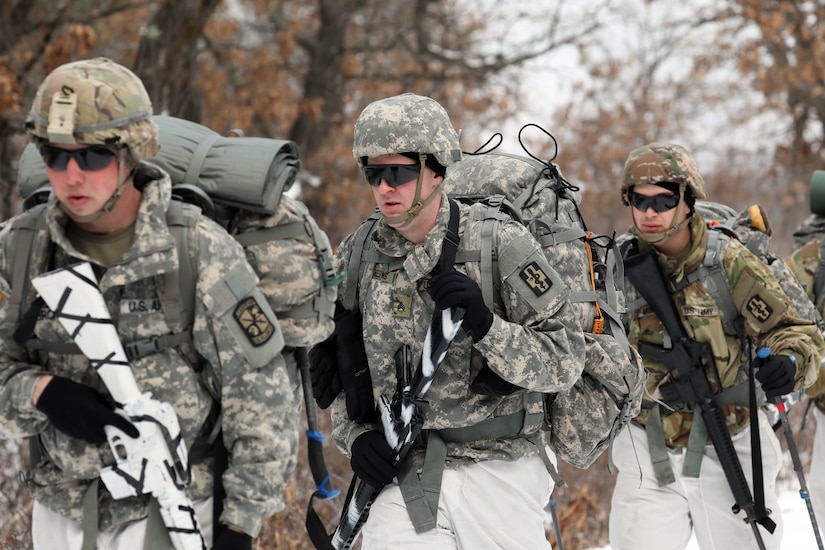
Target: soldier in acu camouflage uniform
x=493, y=486
x=661, y=493
x=92, y=121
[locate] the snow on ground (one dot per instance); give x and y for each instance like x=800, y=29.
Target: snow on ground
x=799, y=534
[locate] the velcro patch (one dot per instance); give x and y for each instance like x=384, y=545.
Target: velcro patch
x=253, y=321
x=536, y=279
x=401, y=305
x=759, y=308
x=699, y=311
x=149, y=305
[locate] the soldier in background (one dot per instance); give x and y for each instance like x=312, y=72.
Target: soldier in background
x=92, y=121
x=669, y=484
x=805, y=262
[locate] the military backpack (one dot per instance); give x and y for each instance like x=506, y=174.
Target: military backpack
x=240, y=182
x=583, y=420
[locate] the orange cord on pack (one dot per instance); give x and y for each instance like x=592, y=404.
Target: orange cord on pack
x=598, y=322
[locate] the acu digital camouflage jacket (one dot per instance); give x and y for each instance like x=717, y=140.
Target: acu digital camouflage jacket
x=242, y=366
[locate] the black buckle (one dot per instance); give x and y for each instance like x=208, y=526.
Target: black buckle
x=141, y=348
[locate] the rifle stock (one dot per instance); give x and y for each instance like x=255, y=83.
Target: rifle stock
x=691, y=360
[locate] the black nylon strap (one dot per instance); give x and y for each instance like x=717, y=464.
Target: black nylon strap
x=449, y=248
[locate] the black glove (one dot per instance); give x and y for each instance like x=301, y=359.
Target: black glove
x=776, y=373
x=81, y=412
x=229, y=539
x=454, y=289
x=372, y=459
x=323, y=371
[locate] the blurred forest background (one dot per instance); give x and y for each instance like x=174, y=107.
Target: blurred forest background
x=741, y=83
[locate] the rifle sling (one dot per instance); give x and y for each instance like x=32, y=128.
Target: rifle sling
x=735, y=395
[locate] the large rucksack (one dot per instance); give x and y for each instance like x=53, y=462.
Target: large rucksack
x=240, y=182
x=584, y=420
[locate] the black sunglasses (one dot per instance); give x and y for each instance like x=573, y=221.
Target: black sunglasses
x=88, y=159
x=393, y=174
x=659, y=203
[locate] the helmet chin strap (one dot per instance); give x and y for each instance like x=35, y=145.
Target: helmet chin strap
x=111, y=201
x=417, y=204
x=653, y=238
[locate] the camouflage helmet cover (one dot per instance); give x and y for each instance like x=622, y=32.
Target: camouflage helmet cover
x=662, y=162
x=406, y=123
x=94, y=101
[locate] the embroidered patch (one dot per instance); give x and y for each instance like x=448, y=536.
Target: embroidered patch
x=536, y=279
x=699, y=311
x=381, y=273
x=401, y=306
x=759, y=308
x=253, y=321
x=152, y=305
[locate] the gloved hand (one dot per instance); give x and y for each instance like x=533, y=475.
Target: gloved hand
x=79, y=411
x=454, y=289
x=776, y=373
x=373, y=459
x=323, y=371
x=229, y=539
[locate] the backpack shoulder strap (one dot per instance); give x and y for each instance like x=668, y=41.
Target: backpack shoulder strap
x=491, y=212
x=28, y=235
x=712, y=271
x=182, y=221
x=361, y=255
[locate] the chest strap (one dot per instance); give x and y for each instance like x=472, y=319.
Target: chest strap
x=134, y=350
x=421, y=493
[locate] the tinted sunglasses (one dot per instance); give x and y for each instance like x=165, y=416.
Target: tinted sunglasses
x=659, y=203
x=393, y=174
x=88, y=159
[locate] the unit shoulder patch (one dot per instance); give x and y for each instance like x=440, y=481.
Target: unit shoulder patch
x=759, y=308
x=536, y=279
x=254, y=323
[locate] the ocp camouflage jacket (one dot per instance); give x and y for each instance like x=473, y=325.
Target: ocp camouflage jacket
x=770, y=320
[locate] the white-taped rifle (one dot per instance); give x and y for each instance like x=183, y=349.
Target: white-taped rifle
x=143, y=465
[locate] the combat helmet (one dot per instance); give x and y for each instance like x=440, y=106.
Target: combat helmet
x=94, y=102
x=406, y=123
x=662, y=162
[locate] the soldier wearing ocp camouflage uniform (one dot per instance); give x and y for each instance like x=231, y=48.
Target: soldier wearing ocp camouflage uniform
x=92, y=121
x=670, y=480
x=482, y=458
x=805, y=263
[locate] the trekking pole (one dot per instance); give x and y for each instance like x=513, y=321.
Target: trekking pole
x=797, y=463
x=315, y=438
x=556, y=526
